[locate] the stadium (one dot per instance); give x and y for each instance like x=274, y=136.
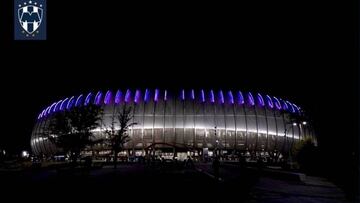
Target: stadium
x=189, y=122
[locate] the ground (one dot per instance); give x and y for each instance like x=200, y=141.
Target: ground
x=166, y=183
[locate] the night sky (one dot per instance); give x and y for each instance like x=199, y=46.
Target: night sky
x=304, y=52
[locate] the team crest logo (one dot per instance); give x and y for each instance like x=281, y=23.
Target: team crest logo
x=30, y=16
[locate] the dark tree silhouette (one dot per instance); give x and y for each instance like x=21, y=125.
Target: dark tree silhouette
x=72, y=130
x=118, y=137
x=306, y=154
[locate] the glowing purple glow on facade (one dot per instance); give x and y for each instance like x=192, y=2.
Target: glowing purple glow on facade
x=127, y=96
x=269, y=102
x=221, y=95
x=202, y=96
x=63, y=104
x=57, y=106
x=297, y=108
x=156, y=96
x=79, y=100
x=51, y=109
x=43, y=113
x=146, y=96
x=71, y=102
x=118, y=97
x=137, y=96
x=241, y=99
x=87, y=99
x=212, y=97
x=107, y=99
x=231, y=97
x=284, y=105
x=260, y=100
x=277, y=103
x=251, y=99
x=97, y=100
x=291, y=107
x=46, y=110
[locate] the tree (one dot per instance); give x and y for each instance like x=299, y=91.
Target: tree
x=118, y=138
x=72, y=130
x=306, y=154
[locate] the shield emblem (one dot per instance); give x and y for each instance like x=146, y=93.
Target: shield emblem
x=30, y=18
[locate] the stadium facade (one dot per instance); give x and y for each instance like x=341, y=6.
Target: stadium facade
x=188, y=121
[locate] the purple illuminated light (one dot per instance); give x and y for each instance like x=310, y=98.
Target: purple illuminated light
x=128, y=96
x=107, y=99
x=57, y=106
x=251, y=99
x=64, y=104
x=260, y=100
x=269, y=102
x=79, y=100
x=221, y=95
x=44, y=112
x=97, y=99
x=118, y=97
x=47, y=110
x=277, y=103
x=231, y=97
x=51, y=109
x=202, y=96
x=87, y=99
x=71, y=102
x=297, y=108
x=183, y=94
x=284, y=105
x=241, y=98
x=291, y=107
x=156, y=96
x=212, y=97
x=146, y=96
x=137, y=96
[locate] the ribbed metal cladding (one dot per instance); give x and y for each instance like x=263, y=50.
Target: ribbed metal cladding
x=189, y=119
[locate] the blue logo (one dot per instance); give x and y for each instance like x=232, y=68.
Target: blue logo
x=30, y=19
